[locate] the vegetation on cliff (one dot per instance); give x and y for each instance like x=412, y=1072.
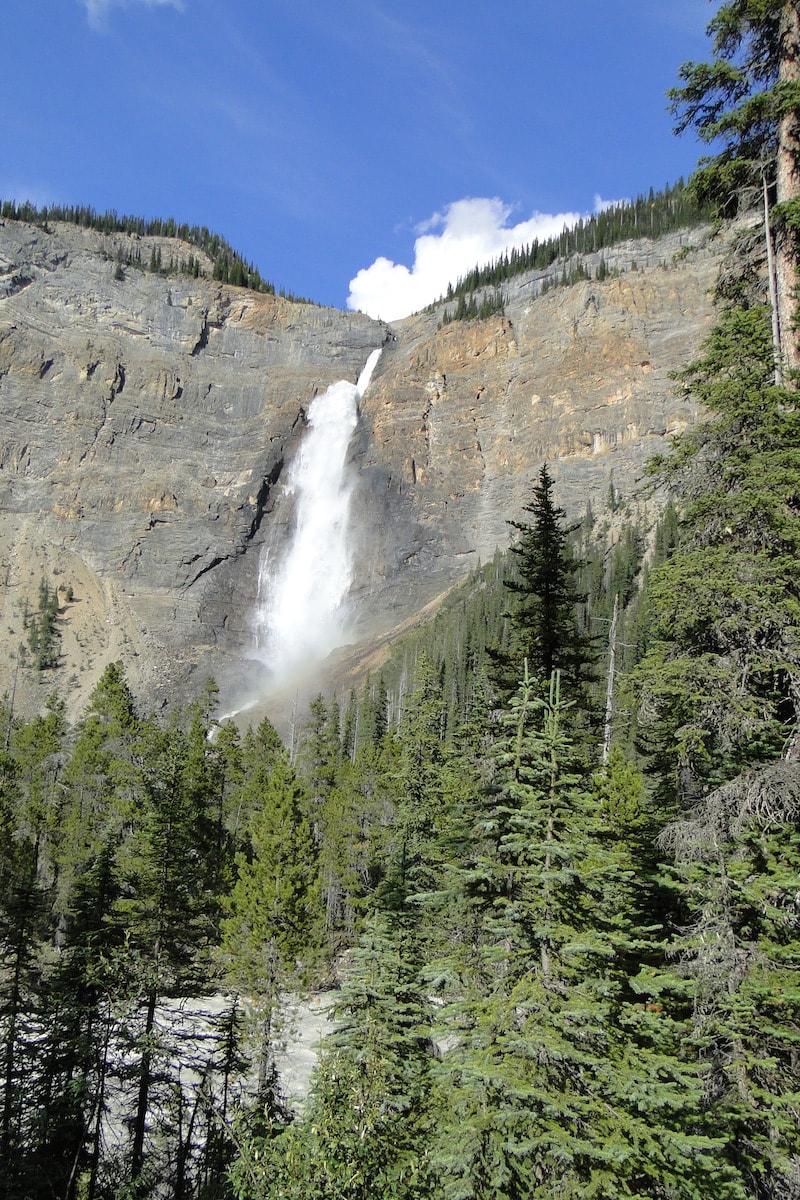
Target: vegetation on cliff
x=227, y=265
x=479, y=293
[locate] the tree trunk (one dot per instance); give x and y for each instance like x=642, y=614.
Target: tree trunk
x=11, y=1094
x=788, y=185
x=100, y=1106
x=612, y=654
x=145, y=1076
x=777, y=346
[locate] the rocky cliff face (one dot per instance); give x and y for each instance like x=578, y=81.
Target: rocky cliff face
x=147, y=422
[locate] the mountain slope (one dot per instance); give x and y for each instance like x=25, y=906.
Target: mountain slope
x=147, y=422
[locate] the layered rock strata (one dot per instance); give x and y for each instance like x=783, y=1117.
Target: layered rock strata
x=148, y=420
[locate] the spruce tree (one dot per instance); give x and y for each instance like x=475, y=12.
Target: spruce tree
x=562, y=1028
x=366, y=1126
x=164, y=907
x=544, y=623
x=23, y=924
x=719, y=686
x=272, y=932
x=747, y=99
x=737, y=859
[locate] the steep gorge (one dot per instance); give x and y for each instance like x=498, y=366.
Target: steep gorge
x=148, y=420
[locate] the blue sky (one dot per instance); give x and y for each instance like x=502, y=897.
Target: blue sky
x=355, y=149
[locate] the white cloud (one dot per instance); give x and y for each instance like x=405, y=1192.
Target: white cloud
x=600, y=205
x=469, y=233
x=11, y=189
x=98, y=10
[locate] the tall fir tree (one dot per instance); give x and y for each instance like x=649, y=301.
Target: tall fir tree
x=719, y=686
x=560, y=1031
x=366, y=1127
x=737, y=859
x=544, y=618
x=272, y=932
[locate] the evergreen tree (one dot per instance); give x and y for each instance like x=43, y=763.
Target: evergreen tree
x=321, y=753
x=737, y=857
x=544, y=619
x=431, y=782
x=22, y=926
x=719, y=686
x=273, y=929
x=43, y=629
x=37, y=750
x=355, y=835
x=164, y=907
x=748, y=100
x=366, y=1126
x=79, y=838
x=550, y=1082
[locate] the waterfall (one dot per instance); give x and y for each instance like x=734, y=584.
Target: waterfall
x=301, y=604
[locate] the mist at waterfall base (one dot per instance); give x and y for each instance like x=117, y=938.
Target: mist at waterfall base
x=301, y=609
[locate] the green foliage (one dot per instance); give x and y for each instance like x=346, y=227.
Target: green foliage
x=112, y=854
x=227, y=264
x=43, y=629
x=23, y=923
x=491, y=304
x=650, y=216
x=548, y=1081
x=463, y=861
x=544, y=620
x=274, y=911
x=365, y=1128
x=718, y=683
x=356, y=829
x=736, y=858
x=736, y=101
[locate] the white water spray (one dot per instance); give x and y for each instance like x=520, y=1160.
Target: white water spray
x=300, y=610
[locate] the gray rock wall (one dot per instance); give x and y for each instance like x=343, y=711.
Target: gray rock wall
x=147, y=422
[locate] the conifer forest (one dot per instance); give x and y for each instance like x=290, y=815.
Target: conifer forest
x=545, y=865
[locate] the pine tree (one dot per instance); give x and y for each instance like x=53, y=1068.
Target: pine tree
x=544, y=619
x=748, y=100
x=273, y=929
x=22, y=927
x=550, y=1083
x=366, y=1126
x=719, y=686
x=321, y=754
x=74, y=815
x=430, y=781
x=165, y=910
x=737, y=858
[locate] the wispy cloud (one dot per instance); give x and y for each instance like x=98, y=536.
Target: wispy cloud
x=409, y=42
x=427, y=64
x=600, y=205
x=16, y=190
x=468, y=233
x=98, y=10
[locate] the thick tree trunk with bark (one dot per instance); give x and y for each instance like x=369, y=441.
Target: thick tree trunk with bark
x=788, y=187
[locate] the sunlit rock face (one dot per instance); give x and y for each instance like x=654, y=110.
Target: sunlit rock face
x=149, y=423
x=460, y=418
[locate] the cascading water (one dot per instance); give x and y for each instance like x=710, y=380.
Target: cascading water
x=300, y=609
